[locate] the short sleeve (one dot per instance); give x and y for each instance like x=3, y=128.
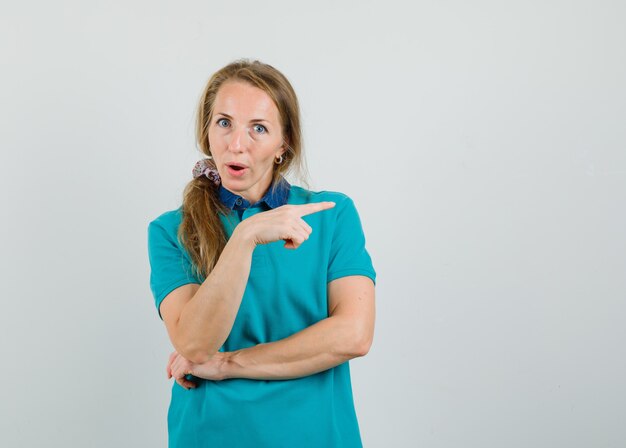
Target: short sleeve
x=348, y=255
x=170, y=267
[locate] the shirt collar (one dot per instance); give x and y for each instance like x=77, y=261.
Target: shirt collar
x=271, y=199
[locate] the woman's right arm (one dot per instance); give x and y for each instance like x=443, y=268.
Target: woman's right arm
x=199, y=318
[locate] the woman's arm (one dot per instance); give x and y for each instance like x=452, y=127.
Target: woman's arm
x=347, y=333
x=199, y=319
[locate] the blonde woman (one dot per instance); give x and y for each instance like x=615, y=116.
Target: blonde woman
x=265, y=288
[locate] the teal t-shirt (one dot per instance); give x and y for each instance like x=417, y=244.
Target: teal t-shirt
x=286, y=292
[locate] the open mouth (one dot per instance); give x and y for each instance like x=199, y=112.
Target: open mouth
x=236, y=165
x=236, y=169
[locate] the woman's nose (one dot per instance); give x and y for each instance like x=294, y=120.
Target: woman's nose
x=238, y=139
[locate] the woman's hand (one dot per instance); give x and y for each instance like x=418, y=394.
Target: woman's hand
x=178, y=367
x=282, y=223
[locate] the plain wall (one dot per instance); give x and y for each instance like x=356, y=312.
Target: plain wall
x=482, y=142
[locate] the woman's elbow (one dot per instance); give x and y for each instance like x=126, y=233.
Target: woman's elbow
x=362, y=342
x=363, y=348
x=197, y=354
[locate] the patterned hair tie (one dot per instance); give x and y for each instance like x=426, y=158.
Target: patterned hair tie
x=207, y=168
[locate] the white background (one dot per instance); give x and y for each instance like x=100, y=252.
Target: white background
x=482, y=142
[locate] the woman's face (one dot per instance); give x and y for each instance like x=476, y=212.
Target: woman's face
x=245, y=131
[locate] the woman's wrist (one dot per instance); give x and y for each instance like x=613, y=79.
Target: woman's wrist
x=224, y=370
x=244, y=236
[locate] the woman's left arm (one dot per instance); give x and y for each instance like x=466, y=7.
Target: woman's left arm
x=347, y=333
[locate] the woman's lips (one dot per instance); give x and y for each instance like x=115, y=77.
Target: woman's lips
x=236, y=173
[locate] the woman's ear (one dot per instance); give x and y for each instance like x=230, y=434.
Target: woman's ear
x=282, y=150
x=285, y=145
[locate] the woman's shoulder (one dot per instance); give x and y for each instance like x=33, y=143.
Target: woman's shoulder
x=168, y=220
x=300, y=195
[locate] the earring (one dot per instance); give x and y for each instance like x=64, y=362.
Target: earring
x=279, y=160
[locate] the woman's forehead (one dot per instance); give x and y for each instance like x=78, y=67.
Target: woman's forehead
x=243, y=101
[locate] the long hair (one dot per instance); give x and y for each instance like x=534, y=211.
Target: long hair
x=201, y=230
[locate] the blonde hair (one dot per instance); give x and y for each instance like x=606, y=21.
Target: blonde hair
x=201, y=230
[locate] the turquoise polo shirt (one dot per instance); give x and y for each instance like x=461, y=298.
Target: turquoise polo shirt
x=286, y=292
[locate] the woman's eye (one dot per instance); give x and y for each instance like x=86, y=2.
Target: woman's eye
x=260, y=129
x=222, y=122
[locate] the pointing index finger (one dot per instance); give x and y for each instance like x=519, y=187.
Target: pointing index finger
x=314, y=207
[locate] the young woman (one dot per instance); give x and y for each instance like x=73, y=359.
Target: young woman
x=266, y=289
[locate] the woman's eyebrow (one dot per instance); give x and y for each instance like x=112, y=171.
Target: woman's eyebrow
x=254, y=119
